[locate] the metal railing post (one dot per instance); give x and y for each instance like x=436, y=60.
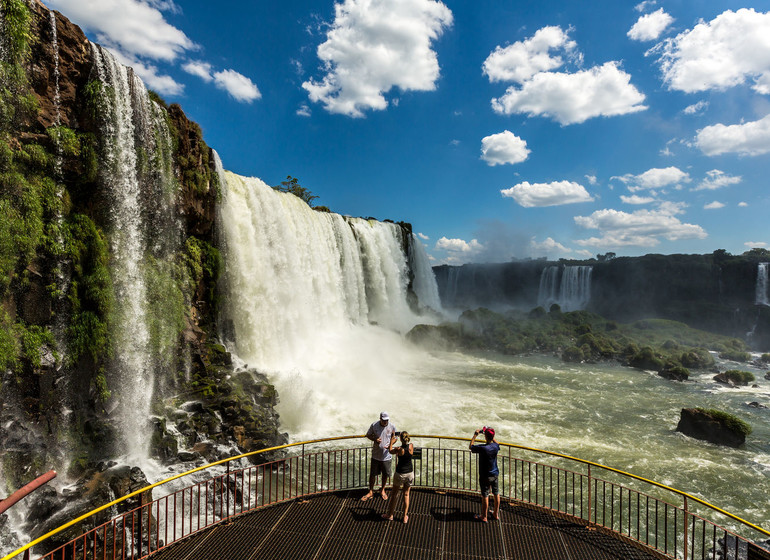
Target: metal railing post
x=685, y=528
x=227, y=492
x=302, y=473
x=590, y=494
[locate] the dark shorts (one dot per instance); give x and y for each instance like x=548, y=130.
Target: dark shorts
x=380, y=467
x=487, y=484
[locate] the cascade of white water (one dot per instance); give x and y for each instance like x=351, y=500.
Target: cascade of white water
x=549, y=287
x=425, y=285
x=56, y=94
x=575, y=291
x=125, y=121
x=314, y=300
x=571, y=289
x=762, y=285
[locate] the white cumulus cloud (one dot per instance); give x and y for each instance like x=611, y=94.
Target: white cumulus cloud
x=549, y=245
x=556, y=193
x=237, y=85
x=642, y=6
x=650, y=26
x=200, y=69
x=655, y=178
x=743, y=205
x=642, y=228
x=376, y=45
x=755, y=244
x=133, y=27
x=604, y=90
x=503, y=147
x=636, y=199
x=716, y=179
x=722, y=53
x=749, y=139
x=716, y=205
x=523, y=59
x=696, y=108
x=591, y=179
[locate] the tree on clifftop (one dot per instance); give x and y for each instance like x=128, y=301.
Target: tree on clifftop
x=291, y=185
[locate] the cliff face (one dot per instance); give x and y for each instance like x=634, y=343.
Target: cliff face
x=62, y=297
x=713, y=292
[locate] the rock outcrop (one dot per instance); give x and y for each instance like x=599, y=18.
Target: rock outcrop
x=712, y=426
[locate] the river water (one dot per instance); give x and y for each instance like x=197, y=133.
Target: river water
x=606, y=413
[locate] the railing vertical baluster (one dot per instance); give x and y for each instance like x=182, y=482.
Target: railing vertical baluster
x=684, y=528
x=590, y=493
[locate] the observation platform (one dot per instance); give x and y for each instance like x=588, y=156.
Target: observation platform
x=307, y=505
x=441, y=526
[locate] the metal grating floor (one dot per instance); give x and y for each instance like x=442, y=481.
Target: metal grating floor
x=441, y=526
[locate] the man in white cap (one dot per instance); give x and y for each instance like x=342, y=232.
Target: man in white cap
x=380, y=433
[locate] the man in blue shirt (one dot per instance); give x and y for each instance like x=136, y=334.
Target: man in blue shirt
x=488, y=471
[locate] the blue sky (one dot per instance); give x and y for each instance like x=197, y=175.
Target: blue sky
x=498, y=129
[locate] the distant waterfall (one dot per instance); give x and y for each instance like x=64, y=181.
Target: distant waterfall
x=425, y=285
x=571, y=289
x=315, y=299
x=135, y=175
x=762, y=285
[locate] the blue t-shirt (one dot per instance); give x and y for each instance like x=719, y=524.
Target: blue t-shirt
x=487, y=458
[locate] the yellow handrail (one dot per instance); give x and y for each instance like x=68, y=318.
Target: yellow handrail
x=338, y=438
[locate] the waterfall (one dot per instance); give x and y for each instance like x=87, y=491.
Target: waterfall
x=316, y=300
x=425, y=286
x=762, y=285
x=549, y=286
x=571, y=290
x=56, y=95
x=136, y=178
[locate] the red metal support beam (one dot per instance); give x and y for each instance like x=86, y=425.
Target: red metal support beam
x=26, y=490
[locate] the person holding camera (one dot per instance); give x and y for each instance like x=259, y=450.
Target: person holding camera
x=488, y=471
x=380, y=433
x=404, y=477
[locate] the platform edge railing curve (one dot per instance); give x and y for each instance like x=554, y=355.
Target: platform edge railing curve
x=679, y=540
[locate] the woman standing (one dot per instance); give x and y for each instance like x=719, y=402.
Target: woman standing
x=404, y=477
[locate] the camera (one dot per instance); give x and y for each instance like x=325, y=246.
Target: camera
x=398, y=434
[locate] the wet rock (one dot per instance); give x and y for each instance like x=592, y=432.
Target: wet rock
x=703, y=425
x=755, y=404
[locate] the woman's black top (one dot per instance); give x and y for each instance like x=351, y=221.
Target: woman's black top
x=404, y=464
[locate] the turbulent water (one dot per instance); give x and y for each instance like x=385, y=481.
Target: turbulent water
x=303, y=288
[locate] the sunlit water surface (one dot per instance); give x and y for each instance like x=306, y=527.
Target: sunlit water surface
x=617, y=416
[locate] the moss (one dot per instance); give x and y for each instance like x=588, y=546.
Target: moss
x=166, y=306
x=729, y=420
x=91, y=291
x=66, y=139
x=10, y=348
x=17, y=19
x=32, y=339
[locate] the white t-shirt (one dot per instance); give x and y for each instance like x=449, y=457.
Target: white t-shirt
x=380, y=450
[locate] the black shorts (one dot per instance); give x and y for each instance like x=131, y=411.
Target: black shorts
x=487, y=484
x=380, y=467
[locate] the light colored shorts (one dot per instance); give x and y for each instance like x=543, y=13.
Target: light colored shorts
x=403, y=480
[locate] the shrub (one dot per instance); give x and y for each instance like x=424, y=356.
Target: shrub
x=697, y=358
x=735, y=376
x=735, y=355
x=646, y=358
x=572, y=354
